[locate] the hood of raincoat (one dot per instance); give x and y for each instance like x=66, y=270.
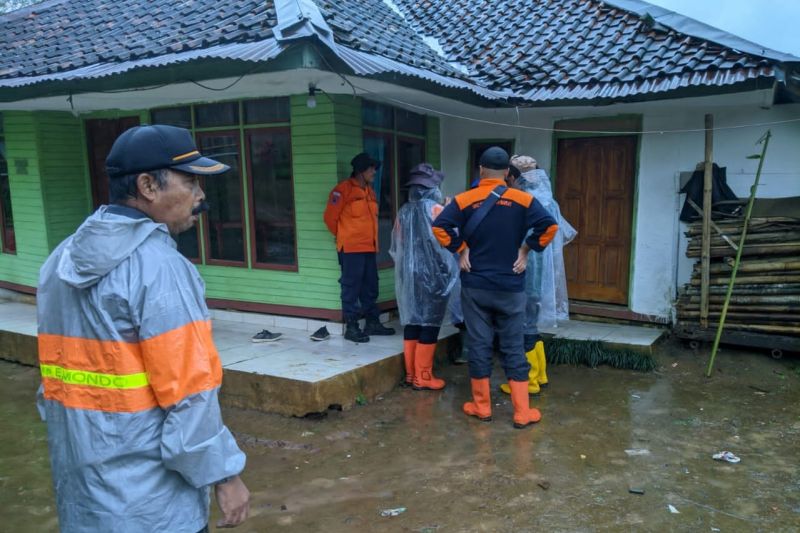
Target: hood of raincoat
x=537, y=183
x=417, y=193
x=102, y=242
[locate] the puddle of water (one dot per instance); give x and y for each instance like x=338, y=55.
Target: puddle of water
x=570, y=472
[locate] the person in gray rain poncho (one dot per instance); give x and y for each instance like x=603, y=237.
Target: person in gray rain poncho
x=425, y=274
x=545, y=279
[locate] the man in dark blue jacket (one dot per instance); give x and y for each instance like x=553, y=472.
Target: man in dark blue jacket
x=493, y=285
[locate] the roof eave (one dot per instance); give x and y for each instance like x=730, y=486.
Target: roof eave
x=196, y=67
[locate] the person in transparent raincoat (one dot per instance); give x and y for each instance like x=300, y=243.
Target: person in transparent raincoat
x=425, y=274
x=545, y=278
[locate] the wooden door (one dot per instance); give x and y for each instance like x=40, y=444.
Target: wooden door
x=100, y=136
x=594, y=187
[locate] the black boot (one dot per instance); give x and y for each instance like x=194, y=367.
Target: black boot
x=354, y=333
x=374, y=327
x=462, y=357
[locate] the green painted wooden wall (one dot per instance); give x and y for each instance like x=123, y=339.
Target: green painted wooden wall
x=46, y=177
x=50, y=189
x=433, y=150
x=64, y=175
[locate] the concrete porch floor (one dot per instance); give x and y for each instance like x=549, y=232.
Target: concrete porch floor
x=297, y=376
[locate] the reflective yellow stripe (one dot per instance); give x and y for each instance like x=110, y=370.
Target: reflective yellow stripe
x=94, y=379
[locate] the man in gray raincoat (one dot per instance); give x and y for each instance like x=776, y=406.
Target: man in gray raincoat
x=130, y=374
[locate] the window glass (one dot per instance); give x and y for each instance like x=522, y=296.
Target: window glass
x=379, y=146
x=476, y=149
x=214, y=115
x=410, y=122
x=410, y=153
x=173, y=116
x=266, y=110
x=224, y=194
x=188, y=243
x=7, y=235
x=272, y=196
x=377, y=115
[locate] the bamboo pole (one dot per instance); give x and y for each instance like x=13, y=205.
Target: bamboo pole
x=706, y=248
x=742, y=241
x=789, y=277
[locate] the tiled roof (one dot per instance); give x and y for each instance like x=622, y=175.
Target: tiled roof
x=60, y=36
x=372, y=26
x=541, y=50
x=565, y=49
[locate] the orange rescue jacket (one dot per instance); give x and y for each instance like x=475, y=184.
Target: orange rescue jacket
x=352, y=216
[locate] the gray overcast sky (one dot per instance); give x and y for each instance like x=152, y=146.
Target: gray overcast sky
x=772, y=23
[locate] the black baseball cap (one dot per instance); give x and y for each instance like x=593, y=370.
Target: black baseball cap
x=146, y=147
x=363, y=161
x=495, y=158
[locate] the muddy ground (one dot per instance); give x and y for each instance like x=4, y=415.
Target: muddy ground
x=603, y=432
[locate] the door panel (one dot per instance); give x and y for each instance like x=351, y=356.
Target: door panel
x=594, y=187
x=100, y=136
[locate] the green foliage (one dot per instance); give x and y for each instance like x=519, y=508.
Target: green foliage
x=361, y=399
x=594, y=353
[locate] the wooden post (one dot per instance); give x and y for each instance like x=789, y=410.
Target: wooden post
x=705, y=255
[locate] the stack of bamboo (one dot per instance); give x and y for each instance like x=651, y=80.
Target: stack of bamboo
x=766, y=296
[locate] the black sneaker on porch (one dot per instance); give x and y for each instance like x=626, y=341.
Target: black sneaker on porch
x=321, y=334
x=266, y=335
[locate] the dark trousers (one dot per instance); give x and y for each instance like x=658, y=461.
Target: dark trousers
x=359, y=283
x=423, y=334
x=486, y=313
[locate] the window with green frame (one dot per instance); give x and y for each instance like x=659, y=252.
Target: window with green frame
x=396, y=138
x=251, y=218
x=7, y=236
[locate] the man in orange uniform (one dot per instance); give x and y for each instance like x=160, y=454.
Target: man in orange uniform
x=500, y=226
x=352, y=217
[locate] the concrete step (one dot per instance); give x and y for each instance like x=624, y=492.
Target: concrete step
x=292, y=376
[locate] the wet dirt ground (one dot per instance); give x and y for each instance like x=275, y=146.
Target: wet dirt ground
x=603, y=432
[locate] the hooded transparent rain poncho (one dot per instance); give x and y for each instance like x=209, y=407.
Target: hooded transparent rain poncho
x=549, y=279
x=425, y=272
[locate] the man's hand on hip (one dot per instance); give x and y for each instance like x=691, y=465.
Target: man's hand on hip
x=522, y=260
x=233, y=500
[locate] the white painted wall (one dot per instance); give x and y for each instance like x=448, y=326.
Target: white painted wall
x=659, y=262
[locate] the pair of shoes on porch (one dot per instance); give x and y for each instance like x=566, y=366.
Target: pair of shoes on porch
x=266, y=335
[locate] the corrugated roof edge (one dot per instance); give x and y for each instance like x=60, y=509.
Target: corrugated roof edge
x=623, y=90
x=362, y=63
x=367, y=64
x=255, y=51
x=701, y=30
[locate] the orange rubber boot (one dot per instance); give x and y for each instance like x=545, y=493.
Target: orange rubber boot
x=423, y=368
x=524, y=414
x=408, y=359
x=481, y=404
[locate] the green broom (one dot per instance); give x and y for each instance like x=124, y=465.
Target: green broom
x=594, y=353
